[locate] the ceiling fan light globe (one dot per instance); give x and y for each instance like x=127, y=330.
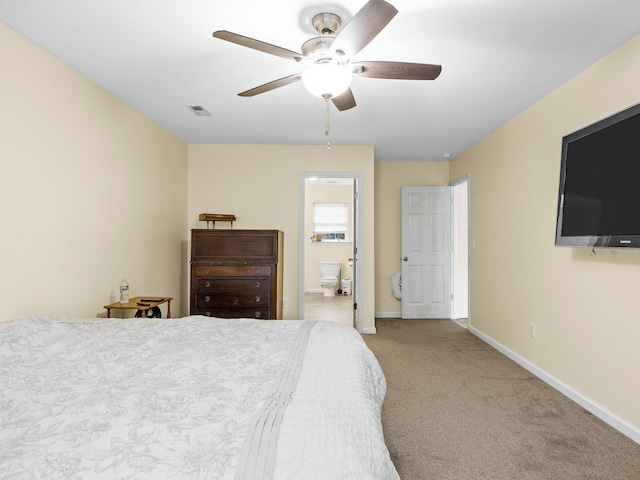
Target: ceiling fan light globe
x=326, y=80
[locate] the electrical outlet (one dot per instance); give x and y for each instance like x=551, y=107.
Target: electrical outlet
x=532, y=330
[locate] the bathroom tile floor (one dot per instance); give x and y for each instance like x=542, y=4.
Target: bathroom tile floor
x=334, y=309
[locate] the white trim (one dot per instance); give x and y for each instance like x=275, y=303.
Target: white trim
x=388, y=315
x=462, y=180
x=603, y=414
x=369, y=331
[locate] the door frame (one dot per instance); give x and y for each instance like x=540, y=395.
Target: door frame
x=358, y=178
x=463, y=179
x=427, y=308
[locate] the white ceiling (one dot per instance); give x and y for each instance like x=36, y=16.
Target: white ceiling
x=498, y=57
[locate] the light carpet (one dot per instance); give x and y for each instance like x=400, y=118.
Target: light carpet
x=458, y=409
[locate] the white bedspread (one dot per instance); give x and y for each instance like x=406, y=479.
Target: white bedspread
x=189, y=399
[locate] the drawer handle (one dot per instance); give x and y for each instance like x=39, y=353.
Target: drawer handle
x=206, y=270
x=258, y=299
x=257, y=284
x=257, y=314
x=207, y=284
x=235, y=301
x=208, y=314
x=207, y=298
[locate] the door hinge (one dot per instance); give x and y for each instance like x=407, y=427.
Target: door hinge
x=355, y=305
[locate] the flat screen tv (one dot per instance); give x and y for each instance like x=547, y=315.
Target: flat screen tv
x=599, y=199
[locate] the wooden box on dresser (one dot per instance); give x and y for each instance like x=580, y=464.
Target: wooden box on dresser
x=236, y=273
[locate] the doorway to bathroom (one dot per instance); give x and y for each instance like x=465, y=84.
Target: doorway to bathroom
x=329, y=224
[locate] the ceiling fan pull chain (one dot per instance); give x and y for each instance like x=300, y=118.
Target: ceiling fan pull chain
x=327, y=126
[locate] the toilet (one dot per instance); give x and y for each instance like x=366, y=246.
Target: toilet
x=330, y=277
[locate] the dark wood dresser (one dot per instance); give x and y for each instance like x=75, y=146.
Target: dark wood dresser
x=236, y=273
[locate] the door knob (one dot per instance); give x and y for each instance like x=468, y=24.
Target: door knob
x=406, y=259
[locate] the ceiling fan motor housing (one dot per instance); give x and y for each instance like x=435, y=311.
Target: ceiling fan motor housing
x=318, y=49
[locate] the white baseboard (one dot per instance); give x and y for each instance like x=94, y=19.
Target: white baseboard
x=603, y=414
x=387, y=315
x=369, y=330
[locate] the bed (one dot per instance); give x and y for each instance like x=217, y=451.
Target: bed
x=189, y=398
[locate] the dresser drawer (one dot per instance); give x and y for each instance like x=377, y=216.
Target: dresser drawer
x=206, y=284
x=232, y=271
x=259, y=313
x=262, y=246
x=232, y=300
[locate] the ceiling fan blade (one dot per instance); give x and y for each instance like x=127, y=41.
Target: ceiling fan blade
x=363, y=27
x=397, y=70
x=281, y=82
x=345, y=100
x=257, y=45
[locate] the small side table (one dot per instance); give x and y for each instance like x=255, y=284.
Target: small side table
x=134, y=304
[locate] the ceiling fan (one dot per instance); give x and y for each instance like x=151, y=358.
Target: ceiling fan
x=328, y=57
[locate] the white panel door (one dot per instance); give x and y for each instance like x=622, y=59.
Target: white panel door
x=426, y=252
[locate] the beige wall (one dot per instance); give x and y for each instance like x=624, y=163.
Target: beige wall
x=259, y=184
x=90, y=192
x=316, y=252
x=586, y=308
x=390, y=177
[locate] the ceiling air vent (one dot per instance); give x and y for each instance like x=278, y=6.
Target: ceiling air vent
x=199, y=110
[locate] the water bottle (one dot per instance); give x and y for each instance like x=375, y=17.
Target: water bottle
x=124, y=291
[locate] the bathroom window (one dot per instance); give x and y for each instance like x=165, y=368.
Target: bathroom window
x=330, y=222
